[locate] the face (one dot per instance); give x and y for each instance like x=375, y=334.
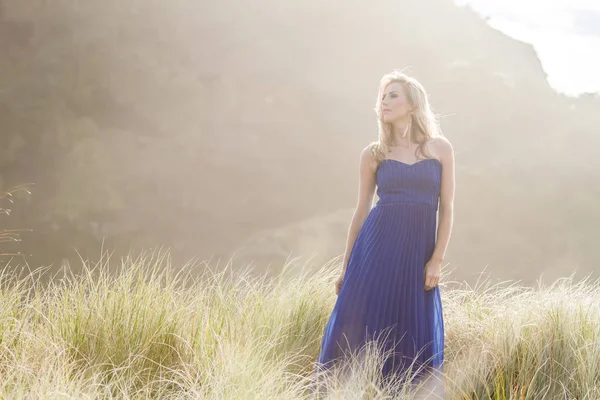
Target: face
x=394, y=103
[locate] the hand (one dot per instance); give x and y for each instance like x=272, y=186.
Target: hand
x=433, y=270
x=338, y=284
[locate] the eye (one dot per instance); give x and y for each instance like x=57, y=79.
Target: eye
x=394, y=95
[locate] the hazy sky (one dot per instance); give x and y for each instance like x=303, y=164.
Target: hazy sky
x=565, y=34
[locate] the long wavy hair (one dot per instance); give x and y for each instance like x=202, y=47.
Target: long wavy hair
x=423, y=125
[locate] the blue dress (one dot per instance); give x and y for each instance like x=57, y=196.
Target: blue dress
x=383, y=294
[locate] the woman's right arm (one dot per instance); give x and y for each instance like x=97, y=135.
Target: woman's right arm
x=366, y=190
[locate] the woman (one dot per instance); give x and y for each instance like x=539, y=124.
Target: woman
x=388, y=288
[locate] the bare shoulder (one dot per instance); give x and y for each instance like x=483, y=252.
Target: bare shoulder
x=368, y=153
x=367, y=156
x=441, y=147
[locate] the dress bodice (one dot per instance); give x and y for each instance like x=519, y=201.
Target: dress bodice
x=398, y=182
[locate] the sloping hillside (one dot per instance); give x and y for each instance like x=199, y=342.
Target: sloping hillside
x=197, y=126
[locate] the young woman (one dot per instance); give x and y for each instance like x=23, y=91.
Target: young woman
x=388, y=288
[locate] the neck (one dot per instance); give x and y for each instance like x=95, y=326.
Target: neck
x=398, y=133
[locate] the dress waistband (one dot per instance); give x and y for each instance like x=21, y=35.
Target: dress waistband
x=381, y=202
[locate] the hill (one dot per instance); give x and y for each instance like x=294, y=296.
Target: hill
x=198, y=126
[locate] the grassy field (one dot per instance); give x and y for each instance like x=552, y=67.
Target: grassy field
x=146, y=331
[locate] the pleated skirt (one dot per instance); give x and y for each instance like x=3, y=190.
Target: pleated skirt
x=383, y=295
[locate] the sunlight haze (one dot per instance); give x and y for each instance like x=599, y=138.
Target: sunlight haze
x=564, y=33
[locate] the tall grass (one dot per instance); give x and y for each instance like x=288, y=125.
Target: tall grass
x=513, y=342
x=220, y=332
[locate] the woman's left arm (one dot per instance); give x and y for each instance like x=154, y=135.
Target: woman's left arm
x=446, y=213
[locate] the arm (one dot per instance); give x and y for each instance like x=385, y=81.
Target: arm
x=446, y=201
x=366, y=190
x=446, y=211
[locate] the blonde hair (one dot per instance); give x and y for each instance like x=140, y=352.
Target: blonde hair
x=424, y=123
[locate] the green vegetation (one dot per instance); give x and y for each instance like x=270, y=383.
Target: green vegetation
x=146, y=331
